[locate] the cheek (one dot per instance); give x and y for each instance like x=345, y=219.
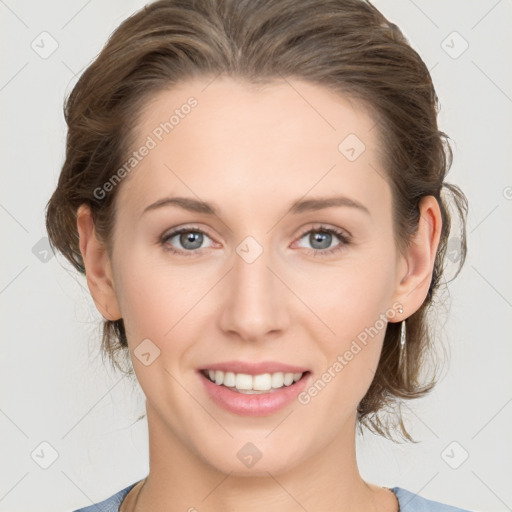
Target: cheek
x=355, y=308
x=351, y=295
x=164, y=302
x=151, y=298
x=350, y=357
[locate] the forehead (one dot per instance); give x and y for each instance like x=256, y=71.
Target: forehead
x=230, y=139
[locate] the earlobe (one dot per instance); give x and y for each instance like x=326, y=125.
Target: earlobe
x=416, y=275
x=98, y=270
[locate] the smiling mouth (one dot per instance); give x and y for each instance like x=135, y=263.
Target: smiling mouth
x=253, y=384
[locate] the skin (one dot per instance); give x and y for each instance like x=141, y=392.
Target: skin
x=253, y=152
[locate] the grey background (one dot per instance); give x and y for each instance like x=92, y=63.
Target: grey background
x=55, y=389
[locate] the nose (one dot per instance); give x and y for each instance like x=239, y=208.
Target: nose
x=254, y=303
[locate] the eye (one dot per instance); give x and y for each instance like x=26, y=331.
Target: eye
x=321, y=238
x=190, y=238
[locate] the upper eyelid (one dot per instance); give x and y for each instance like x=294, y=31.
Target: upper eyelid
x=319, y=226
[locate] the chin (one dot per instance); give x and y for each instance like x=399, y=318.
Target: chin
x=253, y=459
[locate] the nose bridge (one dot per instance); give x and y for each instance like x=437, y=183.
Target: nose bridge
x=254, y=303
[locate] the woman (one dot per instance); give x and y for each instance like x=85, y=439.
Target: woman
x=255, y=193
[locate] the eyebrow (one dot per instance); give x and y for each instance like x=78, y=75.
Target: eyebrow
x=297, y=207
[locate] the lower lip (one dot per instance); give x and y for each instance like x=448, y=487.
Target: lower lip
x=261, y=404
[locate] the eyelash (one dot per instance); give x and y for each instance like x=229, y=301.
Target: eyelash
x=344, y=238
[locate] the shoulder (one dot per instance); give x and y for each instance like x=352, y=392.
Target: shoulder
x=110, y=504
x=411, y=502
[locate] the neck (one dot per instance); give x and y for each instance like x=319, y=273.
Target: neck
x=329, y=480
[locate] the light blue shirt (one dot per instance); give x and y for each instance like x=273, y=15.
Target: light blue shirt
x=409, y=502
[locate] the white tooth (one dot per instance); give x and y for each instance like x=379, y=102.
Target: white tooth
x=277, y=380
x=256, y=383
x=243, y=381
x=288, y=379
x=262, y=382
x=229, y=379
x=219, y=377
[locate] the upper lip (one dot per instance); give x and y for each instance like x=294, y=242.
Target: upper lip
x=252, y=368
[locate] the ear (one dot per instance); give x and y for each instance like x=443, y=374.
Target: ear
x=98, y=270
x=415, y=268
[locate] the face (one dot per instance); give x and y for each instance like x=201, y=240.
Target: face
x=274, y=274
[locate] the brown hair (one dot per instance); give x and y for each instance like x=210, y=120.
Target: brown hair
x=347, y=46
